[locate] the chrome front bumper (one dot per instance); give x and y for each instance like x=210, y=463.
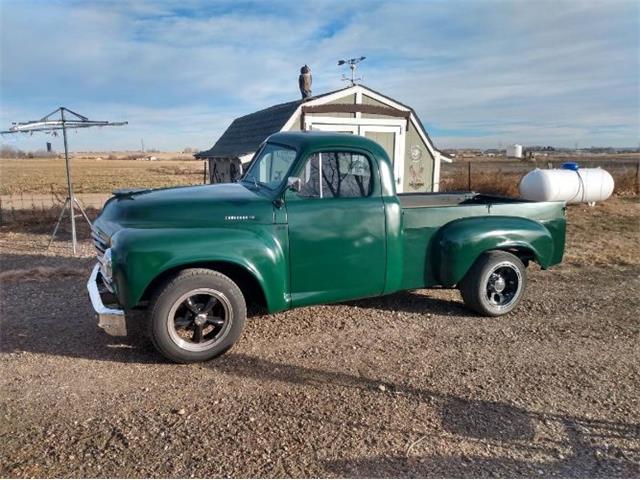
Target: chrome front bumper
x=111, y=320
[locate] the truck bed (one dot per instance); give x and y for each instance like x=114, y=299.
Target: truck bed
x=450, y=199
x=424, y=214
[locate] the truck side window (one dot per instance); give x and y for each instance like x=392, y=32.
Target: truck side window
x=336, y=174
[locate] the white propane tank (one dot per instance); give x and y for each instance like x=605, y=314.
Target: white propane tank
x=572, y=185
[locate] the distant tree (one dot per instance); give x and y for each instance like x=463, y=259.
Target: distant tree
x=9, y=151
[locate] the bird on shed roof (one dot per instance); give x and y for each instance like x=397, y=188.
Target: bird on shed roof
x=304, y=81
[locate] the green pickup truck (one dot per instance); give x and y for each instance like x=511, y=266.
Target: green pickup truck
x=315, y=219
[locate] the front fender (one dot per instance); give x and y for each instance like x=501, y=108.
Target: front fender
x=460, y=242
x=141, y=255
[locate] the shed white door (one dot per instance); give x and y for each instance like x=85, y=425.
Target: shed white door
x=391, y=138
x=322, y=127
x=389, y=133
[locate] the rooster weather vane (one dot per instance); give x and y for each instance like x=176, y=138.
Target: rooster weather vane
x=353, y=65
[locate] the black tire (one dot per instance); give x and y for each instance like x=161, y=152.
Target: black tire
x=495, y=284
x=181, y=307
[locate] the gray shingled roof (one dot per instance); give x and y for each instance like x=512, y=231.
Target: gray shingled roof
x=245, y=134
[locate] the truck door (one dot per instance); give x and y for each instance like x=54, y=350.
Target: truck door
x=337, y=243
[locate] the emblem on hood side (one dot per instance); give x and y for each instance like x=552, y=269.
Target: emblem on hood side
x=239, y=217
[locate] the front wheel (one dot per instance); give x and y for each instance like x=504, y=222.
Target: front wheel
x=196, y=316
x=494, y=285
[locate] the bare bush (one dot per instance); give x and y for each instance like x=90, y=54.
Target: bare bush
x=9, y=151
x=495, y=183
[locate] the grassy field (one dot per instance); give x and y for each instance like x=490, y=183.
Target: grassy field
x=104, y=172
x=91, y=175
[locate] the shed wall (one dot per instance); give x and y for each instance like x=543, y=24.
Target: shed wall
x=418, y=174
x=372, y=101
x=348, y=100
x=224, y=170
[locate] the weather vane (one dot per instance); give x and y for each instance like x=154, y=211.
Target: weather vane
x=353, y=65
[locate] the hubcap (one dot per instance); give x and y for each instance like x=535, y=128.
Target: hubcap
x=499, y=283
x=199, y=319
x=503, y=285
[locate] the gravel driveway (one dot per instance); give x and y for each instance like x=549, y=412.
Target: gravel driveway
x=409, y=385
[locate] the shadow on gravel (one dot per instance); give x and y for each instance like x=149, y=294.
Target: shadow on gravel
x=412, y=302
x=488, y=424
x=45, y=309
x=47, y=295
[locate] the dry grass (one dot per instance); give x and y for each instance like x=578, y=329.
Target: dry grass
x=40, y=215
x=497, y=182
x=95, y=176
x=604, y=235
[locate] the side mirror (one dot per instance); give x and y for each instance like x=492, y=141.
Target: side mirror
x=294, y=183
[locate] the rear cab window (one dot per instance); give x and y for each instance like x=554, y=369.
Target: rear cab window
x=340, y=174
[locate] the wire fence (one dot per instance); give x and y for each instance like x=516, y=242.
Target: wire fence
x=22, y=207
x=502, y=177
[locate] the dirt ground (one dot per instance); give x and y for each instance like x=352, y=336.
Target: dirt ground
x=409, y=385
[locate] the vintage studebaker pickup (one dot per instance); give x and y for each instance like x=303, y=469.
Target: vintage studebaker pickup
x=315, y=219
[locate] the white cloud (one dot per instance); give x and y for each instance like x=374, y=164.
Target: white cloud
x=478, y=72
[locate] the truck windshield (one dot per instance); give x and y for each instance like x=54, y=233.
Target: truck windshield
x=271, y=166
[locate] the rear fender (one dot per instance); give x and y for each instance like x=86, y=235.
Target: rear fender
x=459, y=243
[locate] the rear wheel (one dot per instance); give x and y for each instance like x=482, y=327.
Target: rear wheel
x=196, y=316
x=494, y=284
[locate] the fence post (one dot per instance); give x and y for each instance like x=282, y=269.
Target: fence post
x=638, y=177
x=469, y=175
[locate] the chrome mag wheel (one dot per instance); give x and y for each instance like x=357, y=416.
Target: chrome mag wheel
x=503, y=285
x=199, y=319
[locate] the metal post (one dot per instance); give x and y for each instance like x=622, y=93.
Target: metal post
x=55, y=229
x=469, y=175
x=48, y=123
x=69, y=185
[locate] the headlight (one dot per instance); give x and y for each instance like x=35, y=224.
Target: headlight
x=107, y=267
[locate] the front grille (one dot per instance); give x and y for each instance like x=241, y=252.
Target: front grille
x=101, y=246
x=98, y=242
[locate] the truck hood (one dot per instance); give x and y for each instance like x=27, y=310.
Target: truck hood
x=185, y=207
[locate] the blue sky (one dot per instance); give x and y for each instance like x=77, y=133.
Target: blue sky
x=479, y=73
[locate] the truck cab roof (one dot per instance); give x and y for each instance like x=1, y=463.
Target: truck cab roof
x=314, y=140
